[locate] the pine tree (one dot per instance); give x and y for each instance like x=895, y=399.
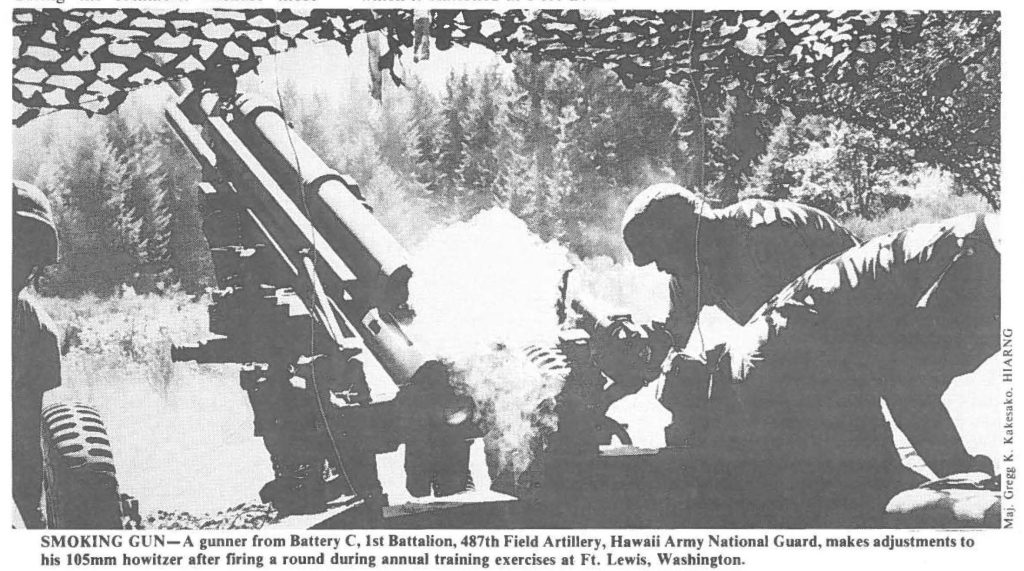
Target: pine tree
x=483, y=164
x=561, y=208
x=398, y=197
x=452, y=156
x=530, y=123
x=145, y=217
x=773, y=176
x=394, y=130
x=516, y=179
x=190, y=254
x=87, y=184
x=425, y=132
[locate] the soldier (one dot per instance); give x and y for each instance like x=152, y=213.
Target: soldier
x=35, y=355
x=436, y=428
x=797, y=434
x=735, y=258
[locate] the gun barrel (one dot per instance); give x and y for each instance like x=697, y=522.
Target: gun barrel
x=365, y=297
x=331, y=201
x=213, y=351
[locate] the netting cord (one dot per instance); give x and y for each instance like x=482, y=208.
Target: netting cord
x=314, y=255
x=702, y=127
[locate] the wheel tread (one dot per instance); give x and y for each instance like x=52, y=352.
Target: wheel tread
x=80, y=488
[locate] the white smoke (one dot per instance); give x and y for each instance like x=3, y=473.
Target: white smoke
x=622, y=288
x=485, y=289
x=483, y=282
x=482, y=290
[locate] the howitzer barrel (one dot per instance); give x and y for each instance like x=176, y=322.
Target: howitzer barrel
x=330, y=201
x=286, y=229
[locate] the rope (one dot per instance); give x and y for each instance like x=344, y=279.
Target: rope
x=700, y=186
x=314, y=256
x=700, y=330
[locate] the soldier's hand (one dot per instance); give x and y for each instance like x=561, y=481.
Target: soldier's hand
x=982, y=463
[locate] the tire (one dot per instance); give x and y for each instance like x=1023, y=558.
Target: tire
x=79, y=481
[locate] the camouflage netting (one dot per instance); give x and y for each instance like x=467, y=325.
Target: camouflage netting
x=930, y=79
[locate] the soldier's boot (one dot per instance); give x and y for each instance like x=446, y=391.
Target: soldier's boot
x=451, y=468
x=297, y=488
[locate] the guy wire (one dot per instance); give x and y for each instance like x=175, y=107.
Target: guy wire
x=695, y=85
x=312, y=324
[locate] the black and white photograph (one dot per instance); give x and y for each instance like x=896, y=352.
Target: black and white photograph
x=294, y=266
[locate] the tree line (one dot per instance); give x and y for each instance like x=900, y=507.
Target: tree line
x=563, y=146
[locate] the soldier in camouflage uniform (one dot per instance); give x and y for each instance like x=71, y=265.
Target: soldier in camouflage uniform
x=797, y=435
x=734, y=258
x=36, y=354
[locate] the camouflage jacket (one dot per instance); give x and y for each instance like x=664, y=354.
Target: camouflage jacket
x=932, y=289
x=777, y=241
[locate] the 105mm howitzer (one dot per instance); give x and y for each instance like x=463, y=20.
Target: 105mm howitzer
x=309, y=282
x=308, y=279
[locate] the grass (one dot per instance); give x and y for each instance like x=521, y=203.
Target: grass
x=181, y=432
x=124, y=336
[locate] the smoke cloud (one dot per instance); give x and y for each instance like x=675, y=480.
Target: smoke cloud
x=484, y=290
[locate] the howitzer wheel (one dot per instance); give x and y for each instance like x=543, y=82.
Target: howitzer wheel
x=80, y=484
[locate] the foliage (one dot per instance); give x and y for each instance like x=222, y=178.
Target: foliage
x=829, y=164
x=145, y=212
x=100, y=233
x=558, y=145
x=117, y=358
x=862, y=161
x=424, y=123
x=454, y=142
x=562, y=145
x=123, y=199
x=486, y=126
x=929, y=80
x=933, y=201
x=123, y=330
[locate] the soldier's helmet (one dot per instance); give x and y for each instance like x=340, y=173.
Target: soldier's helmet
x=33, y=218
x=658, y=217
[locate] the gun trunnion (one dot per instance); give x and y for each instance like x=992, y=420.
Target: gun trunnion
x=306, y=278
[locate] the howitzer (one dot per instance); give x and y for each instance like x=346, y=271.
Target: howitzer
x=308, y=278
